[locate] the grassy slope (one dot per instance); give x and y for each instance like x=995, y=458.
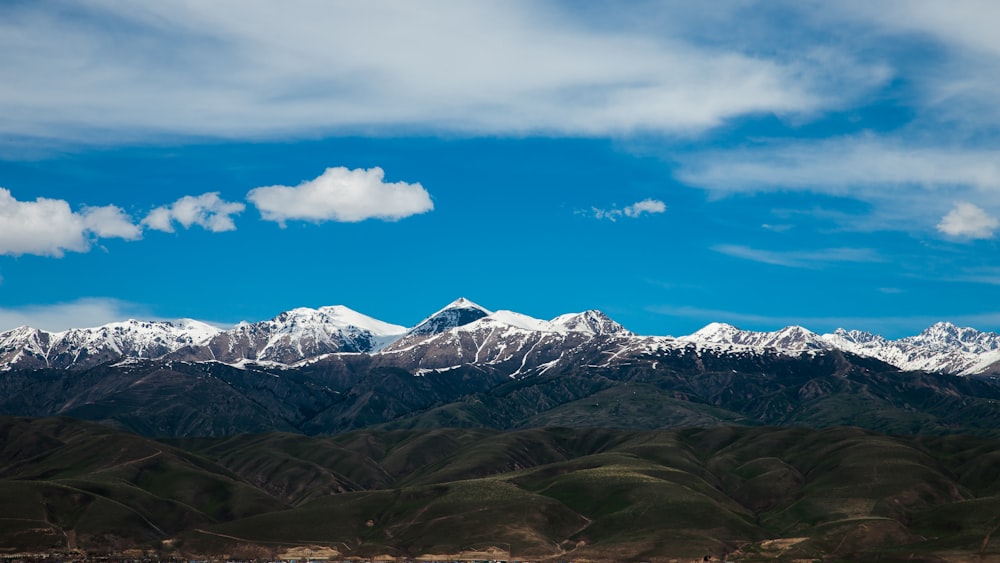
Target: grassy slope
x=567, y=493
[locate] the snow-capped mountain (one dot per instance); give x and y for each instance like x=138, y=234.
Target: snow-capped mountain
x=592, y=322
x=289, y=337
x=464, y=333
x=26, y=347
x=296, y=335
x=788, y=338
x=943, y=347
x=455, y=314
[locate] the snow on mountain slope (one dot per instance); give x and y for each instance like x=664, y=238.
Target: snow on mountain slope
x=942, y=347
x=788, y=338
x=463, y=332
x=510, y=341
x=455, y=314
x=86, y=347
x=300, y=334
x=592, y=322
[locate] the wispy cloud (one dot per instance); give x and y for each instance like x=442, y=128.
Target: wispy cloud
x=87, y=312
x=191, y=68
x=646, y=206
x=344, y=195
x=813, y=259
x=908, y=187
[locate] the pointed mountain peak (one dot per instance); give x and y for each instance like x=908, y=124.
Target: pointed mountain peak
x=458, y=313
x=788, y=338
x=593, y=322
x=714, y=332
x=947, y=336
x=463, y=303
x=849, y=338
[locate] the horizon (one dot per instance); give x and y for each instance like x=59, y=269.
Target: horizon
x=759, y=164
x=229, y=326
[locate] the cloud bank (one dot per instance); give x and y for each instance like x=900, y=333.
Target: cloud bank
x=342, y=195
x=907, y=184
x=252, y=68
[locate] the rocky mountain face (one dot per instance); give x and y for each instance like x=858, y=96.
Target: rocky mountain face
x=28, y=348
x=332, y=369
x=943, y=348
x=288, y=338
x=464, y=333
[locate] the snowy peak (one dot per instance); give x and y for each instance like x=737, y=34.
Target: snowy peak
x=459, y=312
x=948, y=337
x=463, y=303
x=841, y=338
x=715, y=333
x=84, y=347
x=592, y=322
x=336, y=316
x=789, y=338
x=302, y=333
x=462, y=333
x=519, y=321
x=797, y=338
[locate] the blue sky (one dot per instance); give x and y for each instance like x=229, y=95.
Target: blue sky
x=672, y=164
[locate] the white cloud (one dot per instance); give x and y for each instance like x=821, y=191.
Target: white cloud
x=906, y=185
x=208, y=211
x=841, y=166
x=87, y=312
x=799, y=258
x=968, y=221
x=48, y=227
x=638, y=208
x=342, y=195
x=252, y=68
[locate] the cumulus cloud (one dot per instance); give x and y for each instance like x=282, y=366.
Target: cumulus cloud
x=638, y=208
x=966, y=220
x=49, y=227
x=208, y=211
x=342, y=195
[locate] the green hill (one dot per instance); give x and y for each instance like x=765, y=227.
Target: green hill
x=747, y=493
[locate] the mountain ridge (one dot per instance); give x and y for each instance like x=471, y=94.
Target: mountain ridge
x=464, y=332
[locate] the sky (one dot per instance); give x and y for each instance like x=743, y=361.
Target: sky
x=826, y=164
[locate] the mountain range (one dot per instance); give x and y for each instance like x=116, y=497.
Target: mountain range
x=464, y=333
x=325, y=431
